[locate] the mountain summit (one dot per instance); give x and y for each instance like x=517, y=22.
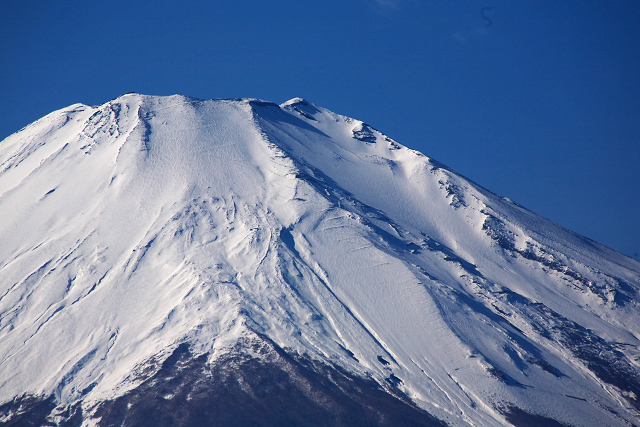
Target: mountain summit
x=185, y=262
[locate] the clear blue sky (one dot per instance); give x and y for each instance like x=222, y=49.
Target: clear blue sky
x=537, y=101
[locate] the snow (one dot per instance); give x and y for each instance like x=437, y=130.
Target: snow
x=131, y=227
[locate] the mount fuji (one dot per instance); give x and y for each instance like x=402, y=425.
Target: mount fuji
x=170, y=261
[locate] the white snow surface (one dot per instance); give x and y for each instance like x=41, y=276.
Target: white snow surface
x=134, y=226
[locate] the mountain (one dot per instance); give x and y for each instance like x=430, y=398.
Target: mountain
x=169, y=261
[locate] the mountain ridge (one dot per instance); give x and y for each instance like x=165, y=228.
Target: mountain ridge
x=147, y=223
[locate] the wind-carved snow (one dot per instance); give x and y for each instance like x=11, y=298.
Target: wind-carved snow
x=133, y=227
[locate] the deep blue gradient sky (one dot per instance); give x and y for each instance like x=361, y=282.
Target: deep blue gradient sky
x=542, y=106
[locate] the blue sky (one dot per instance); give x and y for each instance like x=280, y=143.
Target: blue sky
x=536, y=101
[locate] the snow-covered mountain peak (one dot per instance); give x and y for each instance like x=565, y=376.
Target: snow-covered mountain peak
x=294, y=101
x=163, y=237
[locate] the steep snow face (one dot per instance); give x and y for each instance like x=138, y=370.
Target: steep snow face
x=147, y=223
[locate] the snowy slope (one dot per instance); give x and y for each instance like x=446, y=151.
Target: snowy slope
x=133, y=227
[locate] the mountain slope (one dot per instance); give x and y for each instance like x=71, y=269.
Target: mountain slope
x=152, y=229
